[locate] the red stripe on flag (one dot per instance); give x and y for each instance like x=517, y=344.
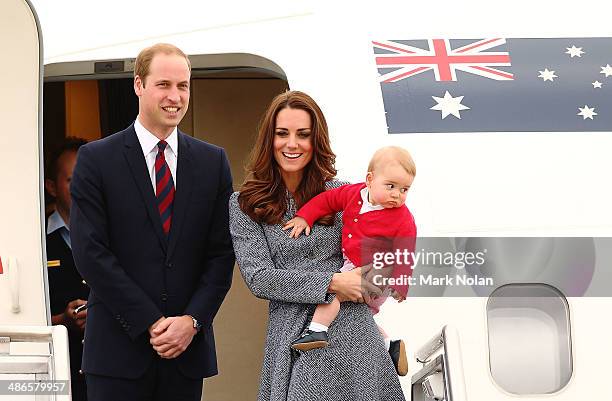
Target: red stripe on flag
x=416, y=70
x=442, y=59
x=477, y=45
x=1, y=270
x=496, y=72
x=444, y=68
x=399, y=49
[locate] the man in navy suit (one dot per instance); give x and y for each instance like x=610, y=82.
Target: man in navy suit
x=149, y=232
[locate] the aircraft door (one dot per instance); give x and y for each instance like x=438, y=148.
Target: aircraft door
x=22, y=270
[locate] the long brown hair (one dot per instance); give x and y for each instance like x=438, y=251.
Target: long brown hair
x=263, y=194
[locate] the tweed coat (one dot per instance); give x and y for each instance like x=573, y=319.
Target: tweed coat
x=294, y=275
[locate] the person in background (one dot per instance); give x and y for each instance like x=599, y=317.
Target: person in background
x=67, y=290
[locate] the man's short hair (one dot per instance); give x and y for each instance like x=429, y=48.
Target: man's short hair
x=393, y=154
x=69, y=144
x=144, y=58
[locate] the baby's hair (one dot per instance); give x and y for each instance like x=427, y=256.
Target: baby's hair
x=393, y=154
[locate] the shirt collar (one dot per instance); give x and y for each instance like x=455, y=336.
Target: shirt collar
x=148, y=141
x=367, y=206
x=55, y=222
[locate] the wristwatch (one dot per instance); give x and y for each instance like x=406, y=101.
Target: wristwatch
x=196, y=325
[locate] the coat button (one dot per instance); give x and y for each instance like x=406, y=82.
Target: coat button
x=84, y=282
x=169, y=265
x=164, y=297
x=350, y=235
x=80, y=371
x=355, y=220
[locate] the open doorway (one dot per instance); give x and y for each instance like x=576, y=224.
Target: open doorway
x=226, y=104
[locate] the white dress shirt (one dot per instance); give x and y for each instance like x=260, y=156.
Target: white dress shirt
x=54, y=223
x=148, y=142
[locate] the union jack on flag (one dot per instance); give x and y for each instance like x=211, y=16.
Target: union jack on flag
x=469, y=85
x=402, y=61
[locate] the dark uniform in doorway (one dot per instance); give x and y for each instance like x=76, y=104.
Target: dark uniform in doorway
x=66, y=285
x=67, y=289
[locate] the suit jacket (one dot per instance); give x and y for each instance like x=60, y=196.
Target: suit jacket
x=135, y=273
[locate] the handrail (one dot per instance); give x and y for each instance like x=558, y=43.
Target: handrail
x=11, y=270
x=55, y=366
x=430, y=347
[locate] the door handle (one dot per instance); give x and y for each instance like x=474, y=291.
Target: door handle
x=10, y=268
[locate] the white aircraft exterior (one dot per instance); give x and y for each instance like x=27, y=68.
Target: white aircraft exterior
x=548, y=184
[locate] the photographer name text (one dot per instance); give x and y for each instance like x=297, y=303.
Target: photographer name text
x=431, y=280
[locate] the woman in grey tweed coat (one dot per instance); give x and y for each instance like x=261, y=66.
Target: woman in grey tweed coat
x=292, y=162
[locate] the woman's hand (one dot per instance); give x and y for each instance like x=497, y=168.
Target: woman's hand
x=298, y=224
x=349, y=286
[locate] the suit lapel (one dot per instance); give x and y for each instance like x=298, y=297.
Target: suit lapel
x=184, y=179
x=138, y=168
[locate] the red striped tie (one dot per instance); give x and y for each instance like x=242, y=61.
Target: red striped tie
x=164, y=188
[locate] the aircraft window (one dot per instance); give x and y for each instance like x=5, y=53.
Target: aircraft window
x=530, y=347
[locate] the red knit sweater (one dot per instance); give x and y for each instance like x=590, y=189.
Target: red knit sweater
x=363, y=235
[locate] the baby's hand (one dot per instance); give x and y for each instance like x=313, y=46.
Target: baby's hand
x=298, y=224
x=397, y=296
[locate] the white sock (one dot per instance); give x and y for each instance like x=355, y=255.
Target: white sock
x=387, y=342
x=318, y=327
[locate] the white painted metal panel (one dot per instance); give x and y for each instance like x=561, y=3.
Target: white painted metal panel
x=325, y=50
x=21, y=246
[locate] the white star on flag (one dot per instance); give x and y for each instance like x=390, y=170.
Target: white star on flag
x=547, y=75
x=596, y=85
x=586, y=112
x=449, y=105
x=607, y=70
x=574, y=51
